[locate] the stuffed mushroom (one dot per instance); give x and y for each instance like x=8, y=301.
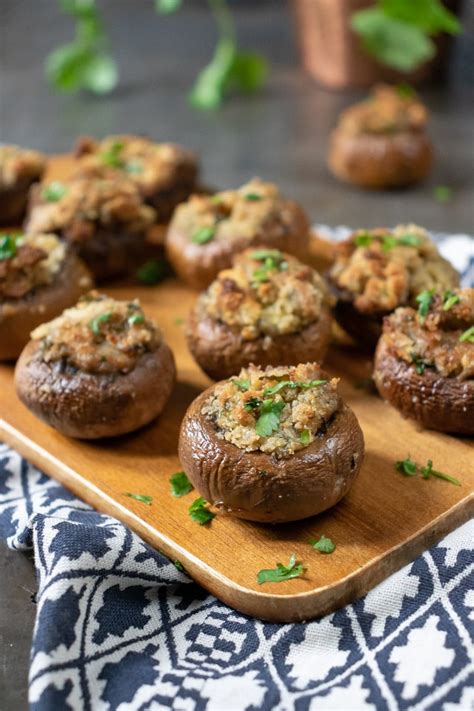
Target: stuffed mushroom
x=164, y=173
x=268, y=309
x=20, y=168
x=39, y=277
x=207, y=231
x=104, y=220
x=273, y=445
x=424, y=363
x=101, y=369
x=382, y=142
x=375, y=271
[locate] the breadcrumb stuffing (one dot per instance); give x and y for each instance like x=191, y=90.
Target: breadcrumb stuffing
x=301, y=401
x=98, y=335
x=436, y=340
x=19, y=165
x=265, y=293
x=382, y=269
x=35, y=261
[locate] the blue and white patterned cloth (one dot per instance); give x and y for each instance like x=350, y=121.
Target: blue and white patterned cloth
x=119, y=627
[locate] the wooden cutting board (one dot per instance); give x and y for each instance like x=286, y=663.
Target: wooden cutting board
x=385, y=522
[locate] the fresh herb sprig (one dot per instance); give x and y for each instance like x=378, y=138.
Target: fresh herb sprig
x=323, y=544
x=409, y=468
x=400, y=33
x=86, y=62
x=199, y=511
x=281, y=572
x=180, y=484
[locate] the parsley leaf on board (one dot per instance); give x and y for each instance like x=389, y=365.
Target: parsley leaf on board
x=323, y=545
x=281, y=572
x=410, y=468
x=143, y=498
x=199, y=511
x=443, y=193
x=180, y=484
x=406, y=467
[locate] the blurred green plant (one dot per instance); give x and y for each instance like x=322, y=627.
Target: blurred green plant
x=86, y=62
x=230, y=68
x=399, y=33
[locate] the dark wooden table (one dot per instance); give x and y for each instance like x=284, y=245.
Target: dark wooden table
x=279, y=134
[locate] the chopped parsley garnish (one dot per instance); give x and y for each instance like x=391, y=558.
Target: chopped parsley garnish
x=136, y=319
x=112, y=157
x=7, y=246
x=443, y=193
x=419, y=364
x=406, y=467
x=467, y=336
x=95, y=323
x=260, y=255
x=199, y=512
x=450, y=299
x=180, y=484
x=262, y=472
x=293, y=384
x=323, y=545
x=54, y=192
x=409, y=468
x=143, y=498
x=389, y=241
x=134, y=167
x=204, y=234
x=273, y=260
x=269, y=419
x=243, y=384
x=424, y=300
x=305, y=437
x=152, y=272
x=253, y=197
x=252, y=404
x=179, y=566
x=281, y=572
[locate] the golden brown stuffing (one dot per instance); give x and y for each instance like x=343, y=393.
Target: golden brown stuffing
x=388, y=110
x=439, y=335
x=152, y=166
x=27, y=262
x=98, y=335
x=77, y=208
x=275, y=410
x=265, y=293
x=382, y=269
x=20, y=165
x=241, y=215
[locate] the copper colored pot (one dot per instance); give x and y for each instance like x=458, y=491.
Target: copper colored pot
x=332, y=53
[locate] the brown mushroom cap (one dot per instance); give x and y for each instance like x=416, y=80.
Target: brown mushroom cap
x=436, y=402
x=18, y=317
x=88, y=405
x=380, y=161
x=221, y=351
x=259, y=487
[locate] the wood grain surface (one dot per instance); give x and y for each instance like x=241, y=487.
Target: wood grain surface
x=385, y=521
